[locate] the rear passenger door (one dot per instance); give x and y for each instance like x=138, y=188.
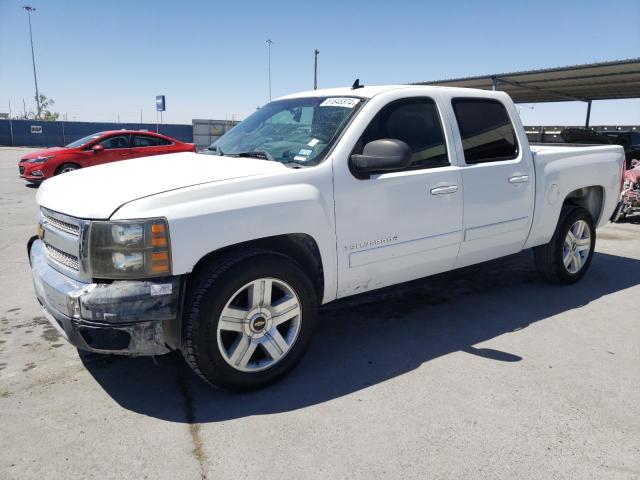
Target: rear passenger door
x=498, y=179
x=145, y=145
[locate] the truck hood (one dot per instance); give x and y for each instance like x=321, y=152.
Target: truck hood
x=97, y=192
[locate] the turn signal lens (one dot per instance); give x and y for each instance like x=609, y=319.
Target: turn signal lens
x=158, y=235
x=160, y=262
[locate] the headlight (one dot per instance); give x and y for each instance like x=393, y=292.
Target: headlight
x=130, y=249
x=40, y=159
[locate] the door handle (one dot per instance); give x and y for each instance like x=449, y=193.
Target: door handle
x=444, y=190
x=519, y=179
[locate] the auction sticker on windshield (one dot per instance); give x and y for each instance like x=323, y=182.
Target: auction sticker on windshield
x=340, y=102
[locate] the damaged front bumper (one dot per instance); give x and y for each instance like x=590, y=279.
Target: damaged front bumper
x=122, y=317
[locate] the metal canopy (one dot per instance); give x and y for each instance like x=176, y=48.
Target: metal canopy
x=597, y=81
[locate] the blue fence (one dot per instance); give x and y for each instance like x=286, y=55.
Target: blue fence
x=32, y=133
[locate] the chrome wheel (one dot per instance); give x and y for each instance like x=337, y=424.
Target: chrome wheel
x=68, y=169
x=259, y=325
x=577, y=246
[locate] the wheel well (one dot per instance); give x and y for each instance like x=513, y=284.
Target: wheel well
x=589, y=198
x=299, y=246
x=66, y=163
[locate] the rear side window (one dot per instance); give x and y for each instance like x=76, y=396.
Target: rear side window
x=486, y=130
x=162, y=141
x=416, y=122
x=144, y=141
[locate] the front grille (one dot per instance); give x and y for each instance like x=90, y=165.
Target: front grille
x=21, y=168
x=63, y=258
x=64, y=238
x=62, y=226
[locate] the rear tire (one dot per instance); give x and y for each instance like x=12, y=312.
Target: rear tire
x=566, y=258
x=248, y=320
x=619, y=213
x=66, y=168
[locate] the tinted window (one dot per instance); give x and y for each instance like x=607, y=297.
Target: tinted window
x=119, y=141
x=162, y=141
x=416, y=122
x=84, y=140
x=144, y=141
x=486, y=130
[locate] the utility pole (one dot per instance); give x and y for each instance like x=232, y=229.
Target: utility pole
x=29, y=9
x=315, y=68
x=269, y=42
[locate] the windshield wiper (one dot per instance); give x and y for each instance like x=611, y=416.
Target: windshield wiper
x=261, y=154
x=264, y=155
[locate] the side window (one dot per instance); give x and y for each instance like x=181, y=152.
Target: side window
x=119, y=141
x=162, y=141
x=144, y=141
x=416, y=122
x=486, y=130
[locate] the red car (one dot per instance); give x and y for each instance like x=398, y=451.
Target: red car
x=96, y=149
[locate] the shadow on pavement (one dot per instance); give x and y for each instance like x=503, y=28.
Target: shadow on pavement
x=371, y=338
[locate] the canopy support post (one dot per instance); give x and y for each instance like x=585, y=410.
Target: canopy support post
x=586, y=124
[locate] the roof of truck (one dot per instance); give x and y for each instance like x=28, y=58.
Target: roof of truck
x=368, y=91
x=363, y=92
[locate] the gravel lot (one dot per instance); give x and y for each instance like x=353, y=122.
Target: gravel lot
x=485, y=372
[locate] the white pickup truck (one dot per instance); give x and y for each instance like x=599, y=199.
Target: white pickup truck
x=227, y=254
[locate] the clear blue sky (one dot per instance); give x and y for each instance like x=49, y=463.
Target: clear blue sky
x=102, y=59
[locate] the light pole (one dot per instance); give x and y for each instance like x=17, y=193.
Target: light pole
x=269, y=42
x=29, y=9
x=315, y=68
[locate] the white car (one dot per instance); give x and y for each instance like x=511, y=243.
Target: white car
x=226, y=256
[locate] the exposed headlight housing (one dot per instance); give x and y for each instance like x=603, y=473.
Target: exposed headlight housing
x=40, y=159
x=130, y=249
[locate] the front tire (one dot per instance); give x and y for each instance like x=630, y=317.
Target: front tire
x=66, y=168
x=248, y=320
x=566, y=258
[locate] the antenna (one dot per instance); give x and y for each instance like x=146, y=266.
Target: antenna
x=356, y=84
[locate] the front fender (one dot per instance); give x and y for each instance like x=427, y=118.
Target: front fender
x=206, y=218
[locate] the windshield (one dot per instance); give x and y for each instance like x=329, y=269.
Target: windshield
x=85, y=140
x=297, y=130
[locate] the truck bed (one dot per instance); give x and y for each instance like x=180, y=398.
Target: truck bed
x=564, y=170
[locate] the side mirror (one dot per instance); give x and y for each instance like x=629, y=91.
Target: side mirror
x=97, y=148
x=385, y=155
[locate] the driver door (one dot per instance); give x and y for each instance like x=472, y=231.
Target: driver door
x=398, y=226
x=115, y=148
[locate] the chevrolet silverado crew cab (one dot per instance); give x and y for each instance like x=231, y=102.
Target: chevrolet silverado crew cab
x=226, y=255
